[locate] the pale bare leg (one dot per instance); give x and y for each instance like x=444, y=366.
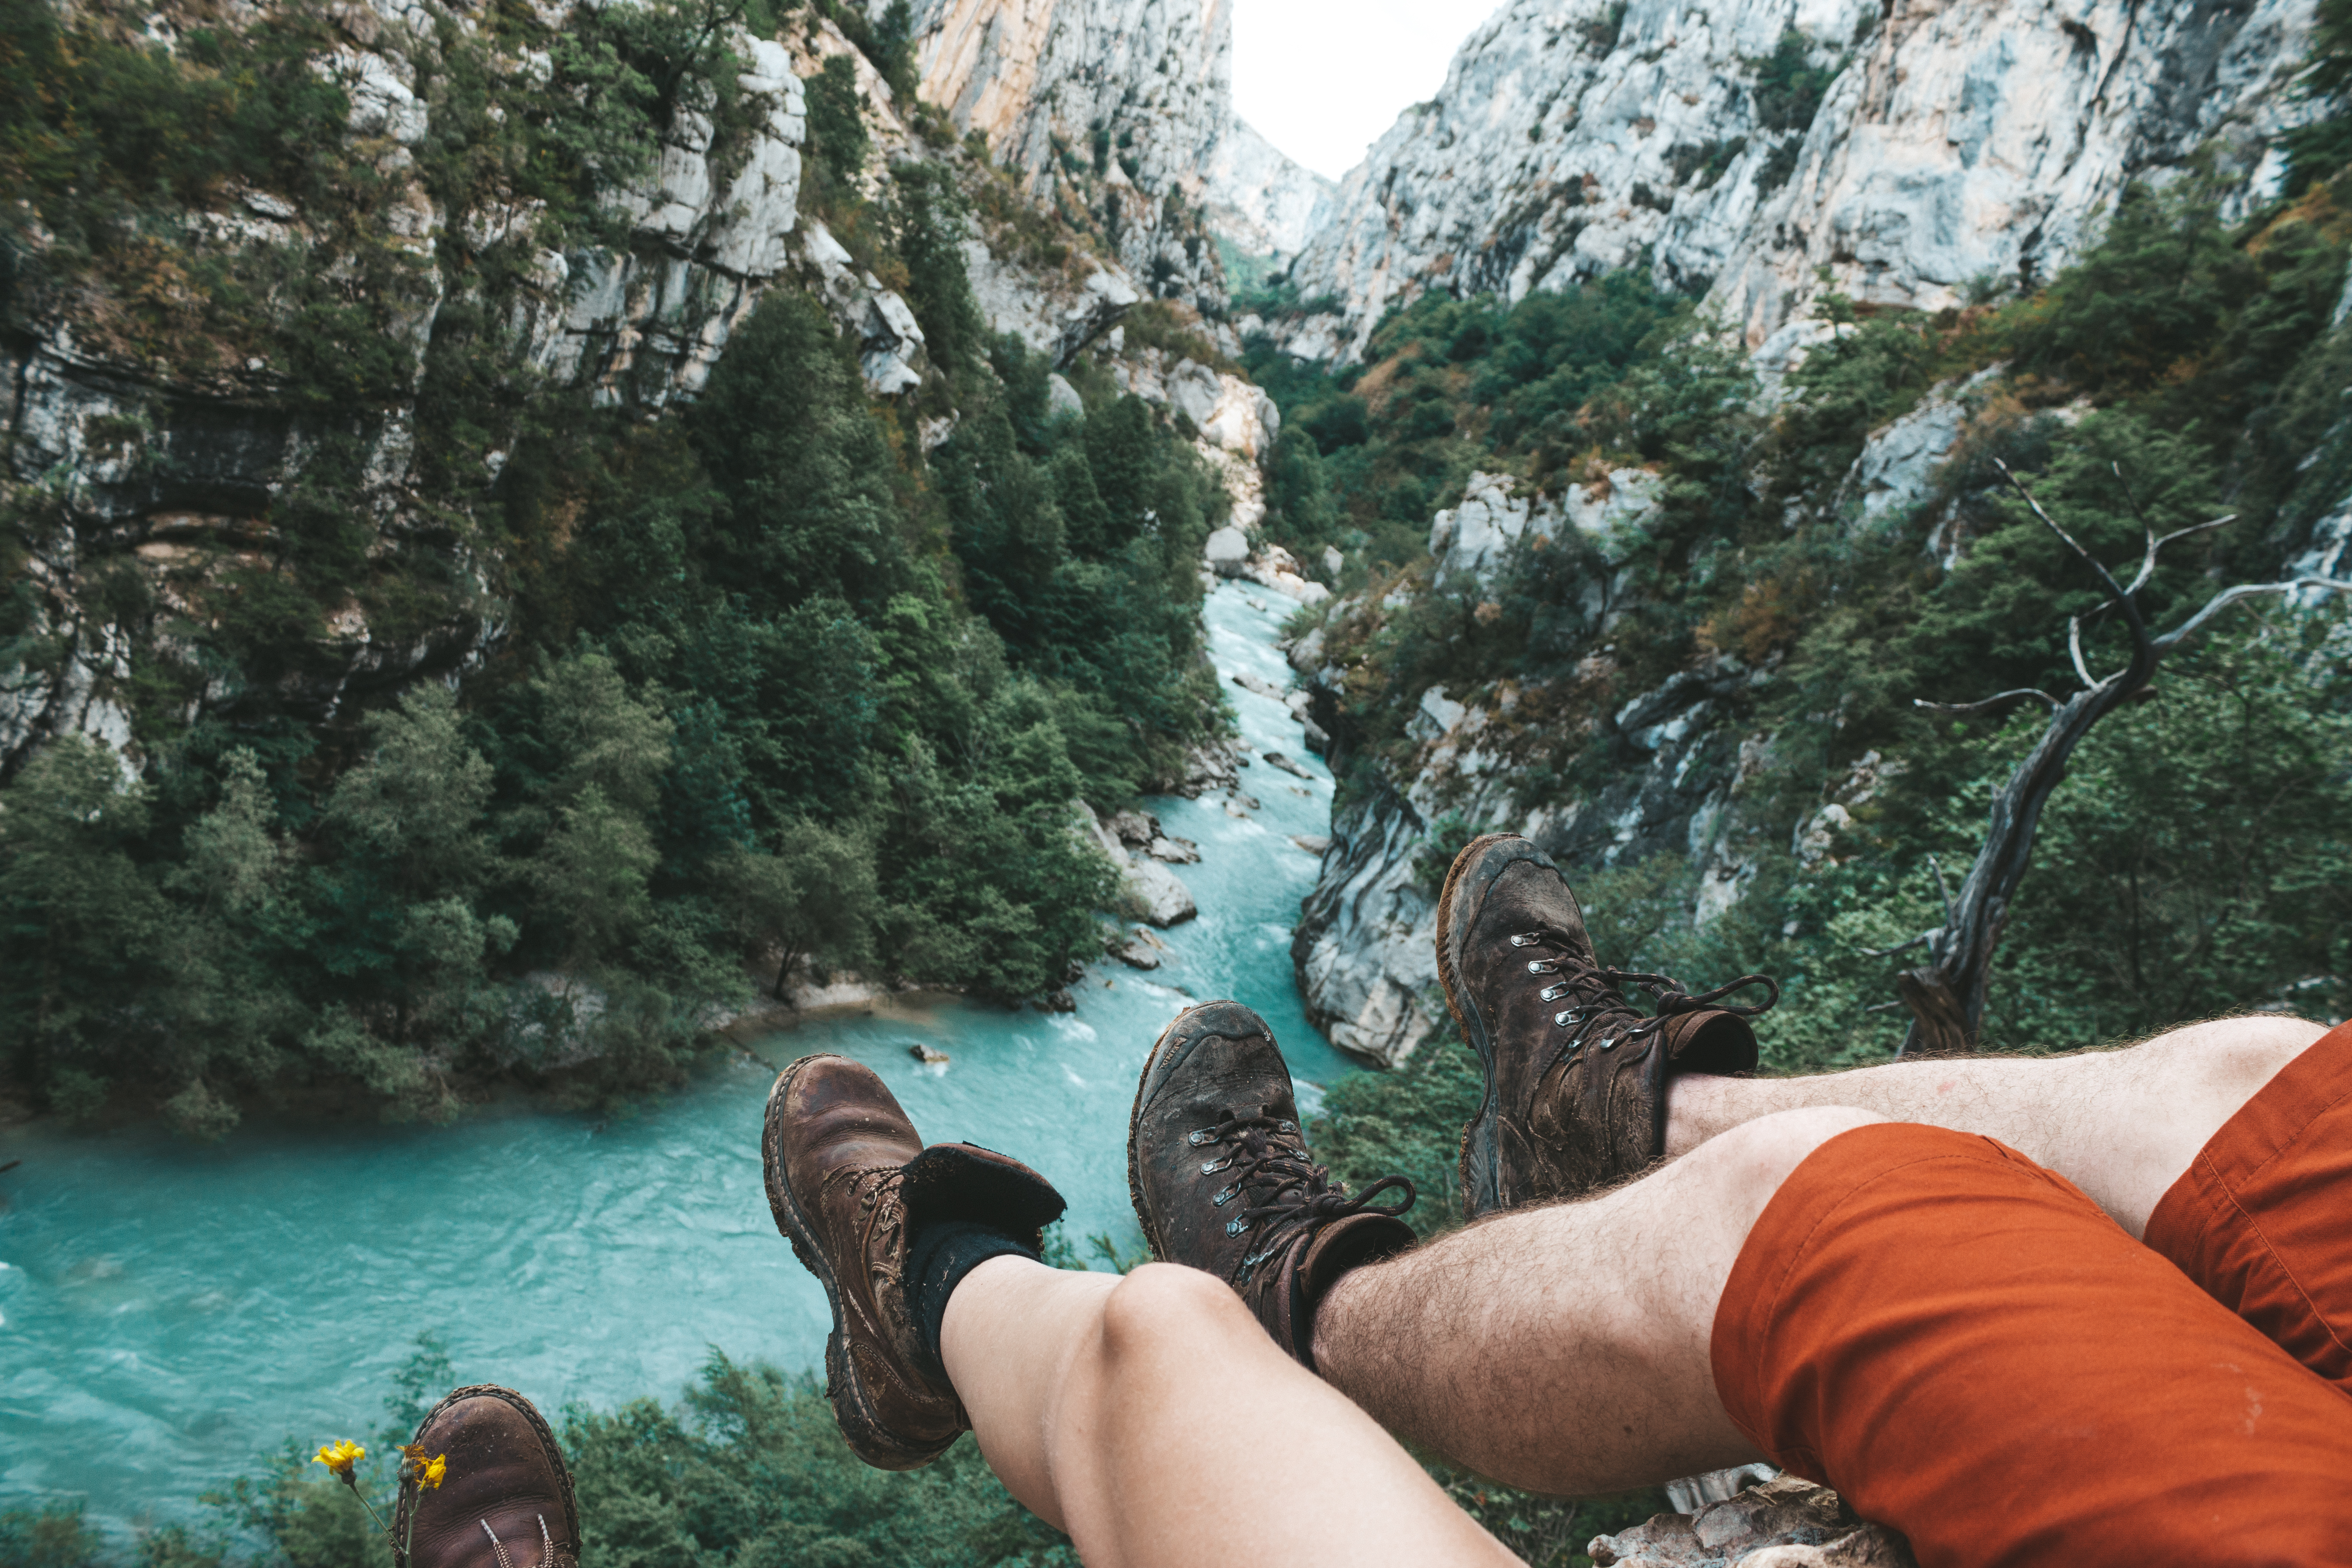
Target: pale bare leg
x=1565, y=1349
x=1153, y=1419
x=2120, y=1124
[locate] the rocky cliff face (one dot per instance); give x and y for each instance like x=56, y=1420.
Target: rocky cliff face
x=1261, y=201
x=159, y=461
x=1364, y=946
x=1952, y=147
x=1112, y=106
x=1123, y=108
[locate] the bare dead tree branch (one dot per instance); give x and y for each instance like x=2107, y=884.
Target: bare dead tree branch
x=2147, y=558
x=2228, y=596
x=2075, y=649
x=1945, y=995
x=1995, y=701
x=1921, y=940
x=1943, y=888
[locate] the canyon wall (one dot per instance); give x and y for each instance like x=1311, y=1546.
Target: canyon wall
x=1955, y=149
x=162, y=458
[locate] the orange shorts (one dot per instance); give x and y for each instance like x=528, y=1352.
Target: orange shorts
x=1972, y=1352
x=2263, y=1219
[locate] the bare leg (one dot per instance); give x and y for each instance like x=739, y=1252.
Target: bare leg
x=2120, y=1124
x=1566, y=1348
x=1152, y=1418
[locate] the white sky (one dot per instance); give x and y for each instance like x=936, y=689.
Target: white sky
x=1322, y=79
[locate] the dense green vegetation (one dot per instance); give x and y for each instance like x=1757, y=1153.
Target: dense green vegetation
x=770, y=682
x=1369, y=451
x=2194, y=860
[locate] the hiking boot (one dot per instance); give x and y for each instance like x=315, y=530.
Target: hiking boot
x=1576, y=1074
x=1222, y=1179
x=850, y=1183
x=503, y=1497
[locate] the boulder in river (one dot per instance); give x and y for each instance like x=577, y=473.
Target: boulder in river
x=1205, y=768
x=1249, y=683
x=1175, y=851
x=1060, y=1001
x=1313, y=843
x=1135, y=829
x=1277, y=759
x=1161, y=898
x=1142, y=951
x=1227, y=553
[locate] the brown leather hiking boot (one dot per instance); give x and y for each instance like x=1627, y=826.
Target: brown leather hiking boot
x=504, y=1499
x=1575, y=1074
x=849, y=1182
x=1222, y=1180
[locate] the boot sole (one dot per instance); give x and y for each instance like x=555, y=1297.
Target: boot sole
x=1144, y=1085
x=1479, y=1163
x=868, y=1437
x=410, y=1496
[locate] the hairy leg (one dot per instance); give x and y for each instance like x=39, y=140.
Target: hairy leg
x=2120, y=1124
x=1153, y=1419
x=1565, y=1349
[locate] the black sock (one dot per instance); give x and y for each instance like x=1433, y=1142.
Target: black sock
x=938, y=1257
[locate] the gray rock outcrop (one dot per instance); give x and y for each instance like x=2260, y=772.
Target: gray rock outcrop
x=1784, y=1524
x=1155, y=893
x=1958, y=147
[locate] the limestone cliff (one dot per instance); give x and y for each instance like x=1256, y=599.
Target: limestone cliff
x=1911, y=153
x=161, y=453
x=1260, y=199
x=1113, y=107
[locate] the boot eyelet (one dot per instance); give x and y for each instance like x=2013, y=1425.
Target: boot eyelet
x=1285, y=1126
x=1564, y=1019
x=1610, y=1044
x=1211, y=1167
x=1542, y=966
x=1552, y=993
x=1526, y=938
x=1228, y=1195
x=1236, y=1226
x=1202, y=1136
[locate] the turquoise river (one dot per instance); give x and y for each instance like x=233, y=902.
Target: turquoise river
x=171, y=1312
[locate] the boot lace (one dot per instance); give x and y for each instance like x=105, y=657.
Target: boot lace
x=546, y=1545
x=1287, y=1192
x=882, y=1207
x=1598, y=1009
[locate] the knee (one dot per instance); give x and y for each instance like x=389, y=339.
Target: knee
x=1754, y=1158
x=1164, y=1306
x=2235, y=1057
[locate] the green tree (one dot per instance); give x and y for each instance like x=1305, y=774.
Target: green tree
x=85, y=925
x=813, y=897
x=413, y=811
x=591, y=877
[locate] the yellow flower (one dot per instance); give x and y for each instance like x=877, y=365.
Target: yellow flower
x=430, y=1472
x=339, y=1455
